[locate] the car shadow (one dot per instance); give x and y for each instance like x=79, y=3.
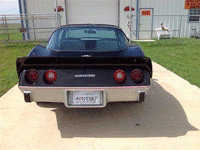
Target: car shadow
x=161, y=115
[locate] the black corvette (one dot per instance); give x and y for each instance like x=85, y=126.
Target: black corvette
x=85, y=66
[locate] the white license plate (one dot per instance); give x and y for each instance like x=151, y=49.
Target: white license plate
x=85, y=98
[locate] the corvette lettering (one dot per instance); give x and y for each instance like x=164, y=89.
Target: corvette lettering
x=84, y=75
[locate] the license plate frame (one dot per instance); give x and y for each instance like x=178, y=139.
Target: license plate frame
x=86, y=98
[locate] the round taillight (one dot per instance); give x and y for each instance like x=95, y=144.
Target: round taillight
x=137, y=75
x=119, y=76
x=50, y=76
x=32, y=75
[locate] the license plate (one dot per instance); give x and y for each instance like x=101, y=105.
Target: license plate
x=85, y=98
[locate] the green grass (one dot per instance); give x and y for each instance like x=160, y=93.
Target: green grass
x=11, y=32
x=8, y=56
x=12, y=37
x=181, y=56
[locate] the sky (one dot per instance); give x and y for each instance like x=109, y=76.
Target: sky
x=9, y=7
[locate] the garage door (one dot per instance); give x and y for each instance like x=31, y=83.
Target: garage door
x=92, y=11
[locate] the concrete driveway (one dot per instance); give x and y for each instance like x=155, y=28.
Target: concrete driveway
x=168, y=119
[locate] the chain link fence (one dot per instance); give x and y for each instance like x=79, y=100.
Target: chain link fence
x=32, y=27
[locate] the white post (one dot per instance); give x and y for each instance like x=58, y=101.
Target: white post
x=130, y=17
x=57, y=13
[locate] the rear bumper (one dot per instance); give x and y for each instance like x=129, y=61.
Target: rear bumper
x=59, y=94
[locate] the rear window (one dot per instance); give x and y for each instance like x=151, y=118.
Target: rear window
x=87, y=39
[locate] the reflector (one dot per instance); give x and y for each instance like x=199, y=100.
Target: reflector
x=50, y=75
x=119, y=76
x=32, y=75
x=137, y=75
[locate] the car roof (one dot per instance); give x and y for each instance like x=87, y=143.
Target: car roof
x=91, y=25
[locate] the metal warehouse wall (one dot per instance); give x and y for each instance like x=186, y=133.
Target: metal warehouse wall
x=125, y=16
x=45, y=7
x=170, y=7
x=178, y=21
x=179, y=24
x=165, y=7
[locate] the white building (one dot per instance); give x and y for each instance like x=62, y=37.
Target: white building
x=147, y=15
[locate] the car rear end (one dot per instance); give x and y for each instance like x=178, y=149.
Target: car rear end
x=84, y=82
